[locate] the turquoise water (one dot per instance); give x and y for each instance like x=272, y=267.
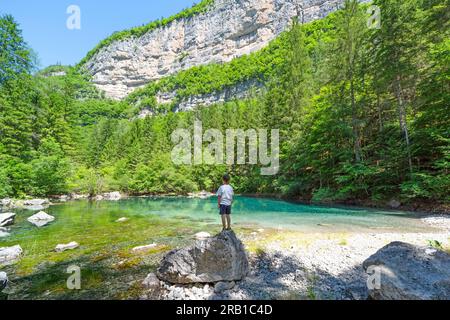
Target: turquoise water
x=258, y=213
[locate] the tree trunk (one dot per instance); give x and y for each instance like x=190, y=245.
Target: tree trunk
x=380, y=117
x=403, y=121
x=356, y=140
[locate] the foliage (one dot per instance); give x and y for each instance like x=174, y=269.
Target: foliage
x=363, y=114
x=15, y=56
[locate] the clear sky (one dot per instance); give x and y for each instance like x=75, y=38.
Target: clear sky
x=44, y=23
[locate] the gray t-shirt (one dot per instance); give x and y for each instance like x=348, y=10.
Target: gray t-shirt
x=226, y=193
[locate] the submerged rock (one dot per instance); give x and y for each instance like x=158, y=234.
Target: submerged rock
x=3, y=280
x=10, y=255
x=7, y=219
x=4, y=232
x=41, y=219
x=144, y=248
x=151, y=282
x=220, y=258
x=65, y=247
x=410, y=272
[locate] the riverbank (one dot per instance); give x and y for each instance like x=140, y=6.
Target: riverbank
x=420, y=207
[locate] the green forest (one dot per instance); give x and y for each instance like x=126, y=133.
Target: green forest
x=363, y=115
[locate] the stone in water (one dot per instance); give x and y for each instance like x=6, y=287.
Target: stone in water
x=65, y=247
x=10, y=255
x=7, y=219
x=41, y=219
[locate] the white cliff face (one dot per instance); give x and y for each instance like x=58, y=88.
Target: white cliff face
x=229, y=29
x=243, y=90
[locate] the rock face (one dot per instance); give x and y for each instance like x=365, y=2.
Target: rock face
x=221, y=258
x=7, y=219
x=41, y=219
x=410, y=273
x=10, y=255
x=241, y=90
x=229, y=29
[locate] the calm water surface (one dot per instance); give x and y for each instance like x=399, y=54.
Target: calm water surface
x=251, y=212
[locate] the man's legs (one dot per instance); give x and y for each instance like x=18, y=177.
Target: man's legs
x=224, y=222
x=228, y=219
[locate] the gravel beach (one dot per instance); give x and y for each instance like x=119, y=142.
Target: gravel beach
x=291, y=265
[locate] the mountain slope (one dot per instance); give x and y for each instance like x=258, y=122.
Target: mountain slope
x=220, y=32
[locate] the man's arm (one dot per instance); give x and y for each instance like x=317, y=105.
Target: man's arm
x=219, y=196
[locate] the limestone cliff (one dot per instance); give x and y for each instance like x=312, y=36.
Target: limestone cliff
x=228, y=29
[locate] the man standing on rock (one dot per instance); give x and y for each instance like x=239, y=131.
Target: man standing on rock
x=225, y=200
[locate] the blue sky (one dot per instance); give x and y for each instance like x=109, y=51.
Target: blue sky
x=44, y=23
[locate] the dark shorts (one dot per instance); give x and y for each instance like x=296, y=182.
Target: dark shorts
x=225, y=209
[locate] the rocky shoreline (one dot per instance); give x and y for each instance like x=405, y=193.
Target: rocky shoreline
x=422, y=208
x=308, y=267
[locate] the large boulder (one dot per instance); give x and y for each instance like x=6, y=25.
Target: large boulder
x=409, y=272
x=41, y=219
x=216, y=259
x=10, y=255
x=7, y=219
